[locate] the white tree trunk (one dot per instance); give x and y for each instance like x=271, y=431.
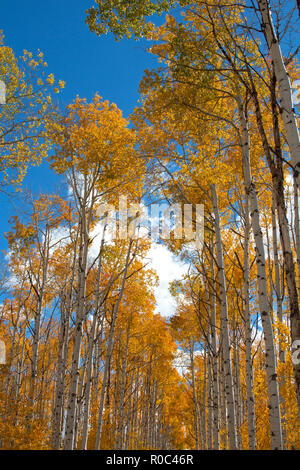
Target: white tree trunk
x=110, y=348
x=216, y=425
x=284, y=85
x=248, y=331
x=274, y=408
x=225, y=325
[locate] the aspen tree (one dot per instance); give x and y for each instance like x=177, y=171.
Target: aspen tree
x=275, y=420
x=225, y=325
x=248, y=332
x=284, y=86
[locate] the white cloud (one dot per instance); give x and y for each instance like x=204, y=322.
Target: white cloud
x=168, y=268
x=182, y=361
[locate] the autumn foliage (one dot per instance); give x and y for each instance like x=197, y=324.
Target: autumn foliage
x=92, y=362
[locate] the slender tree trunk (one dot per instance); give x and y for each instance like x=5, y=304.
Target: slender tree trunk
x=225, y=326
x=89, y=378
x=284, y=85
x=248, y=331
x=58, y=410
x=237, y=385
x=222, y=401
x=278, y=185
x=121, y=408
x=110, y=349
x=209, y=403
x=80, y=317
x=274, y=408
x=297, y=227
x=216, y=426
x=39, y=290
x=196, y=411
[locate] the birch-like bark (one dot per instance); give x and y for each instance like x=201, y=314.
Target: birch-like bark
x=209, y=404
x=216, y=426
x=85, y=219
x=285, y=238
x=63, y=349
x=278, y=185
x=237, y=385
x=224, y=325
x=202, y=410
x=110, y=349
x=222, y=401
x=269, y=268
x=284, y=85
x=297, y=227
x=274, y=408
x=196, y=411
x=279, y=302
x=121, y=407
x=60, y=378
x=248, y=331
x=39, y=290
x=277, y=274
x=12, y=352
x=91, y=345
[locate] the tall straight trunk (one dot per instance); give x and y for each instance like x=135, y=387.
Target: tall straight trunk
x=237, y=385
x=222, y=401
x=91, y=346
x=136, y=406
x=80, y=396
x=88, y=385
x=279, y=299
x=12, y=361
x=20, y=367
x=110, y=349
x=269, y=268
x=285, y=238
x=62, y=361
x=60, y=378
x=248, y=331
x=202, y=414
x=12, y=353
x=85, y=220
x=216, y=426
x=278, y=185
x=153, y=399
x=274, y=408
x=121, y=407
x=224, y=325
x=209, y=404
x=105, y=378
x=208, y=346
x=98, y=353
x=297, y=228
x=130, y=414
x=146, y=419
x=40, y=290
x=284, y=85
x=196, y=411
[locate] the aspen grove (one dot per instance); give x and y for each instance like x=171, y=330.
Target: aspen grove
x=88, y=360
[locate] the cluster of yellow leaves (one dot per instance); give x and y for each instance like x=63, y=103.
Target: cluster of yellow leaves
x=26, y=115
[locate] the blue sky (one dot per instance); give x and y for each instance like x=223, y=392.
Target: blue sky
x=87, y=63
